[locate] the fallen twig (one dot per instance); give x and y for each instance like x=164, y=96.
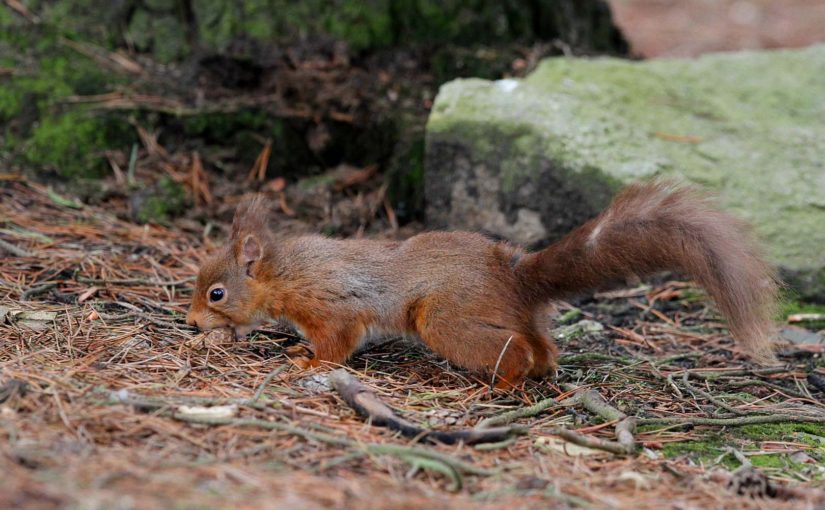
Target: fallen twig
x=524, y=412
x=626, y=426
x=259, y=393
x=133, y=281
x=14, y=250
x=757, y=382
x=624, y=433
x=35, y=291
x=589, y=442
x=573, y=359
x=707, y=396
x=365, y=403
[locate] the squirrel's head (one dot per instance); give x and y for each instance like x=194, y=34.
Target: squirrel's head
x=229, y=291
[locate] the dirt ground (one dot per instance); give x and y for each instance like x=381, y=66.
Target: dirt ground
x=688, y=28
x=102, y=390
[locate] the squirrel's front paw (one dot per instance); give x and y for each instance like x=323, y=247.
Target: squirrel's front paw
x=301, y=357
x=304, y=362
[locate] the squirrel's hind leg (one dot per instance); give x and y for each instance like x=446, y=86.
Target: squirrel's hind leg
x=546, y=355
x=479, y=346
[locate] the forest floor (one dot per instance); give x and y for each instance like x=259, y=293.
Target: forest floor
x=108, y=399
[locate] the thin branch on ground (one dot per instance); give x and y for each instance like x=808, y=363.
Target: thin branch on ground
x=365, y=403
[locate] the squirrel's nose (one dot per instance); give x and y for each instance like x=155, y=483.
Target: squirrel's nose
x=191, y=320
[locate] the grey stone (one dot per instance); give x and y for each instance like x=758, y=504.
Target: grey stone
x=800, y=336
x=530, y=159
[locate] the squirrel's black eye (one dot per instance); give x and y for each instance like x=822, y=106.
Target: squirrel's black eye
x=216, y=294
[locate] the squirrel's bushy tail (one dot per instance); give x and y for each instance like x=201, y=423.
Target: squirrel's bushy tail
x=664, y=226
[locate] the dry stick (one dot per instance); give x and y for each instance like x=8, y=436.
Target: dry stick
x=734, y=373
x=524, y=412
x=133, y=281
x=572, y=359
x=718, y=402
x=624, y=433
x=589, y=442
x=498, y=362
x=593, y=402
x=14, y=250
x=258, y=394
x=147, y=317
x=707, y=396
x=365, y=403
x=756, y=382
x=34, y=291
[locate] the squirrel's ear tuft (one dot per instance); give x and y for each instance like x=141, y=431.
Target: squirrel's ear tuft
x=251, y=250
x=250, y=217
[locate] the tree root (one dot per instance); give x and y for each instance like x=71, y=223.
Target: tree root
x=365, y=403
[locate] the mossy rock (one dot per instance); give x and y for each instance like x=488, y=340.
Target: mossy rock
x=530, y=159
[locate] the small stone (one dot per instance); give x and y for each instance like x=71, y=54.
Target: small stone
x=803, y=458
x=801, y=336
x=316, y=383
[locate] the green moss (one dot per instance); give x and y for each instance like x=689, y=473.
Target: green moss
x=165, y=200
x=704, y=451
x=223, y=126
x=791, y=305
x=361, y=27
x=38, y=126
x=71, y=143
x=773, y=461
x=808, y=433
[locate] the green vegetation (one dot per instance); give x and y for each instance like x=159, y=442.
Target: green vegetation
x=706, y=450
x=40, y=127
x=792, y=305
x=165, y=200
x=716, y=446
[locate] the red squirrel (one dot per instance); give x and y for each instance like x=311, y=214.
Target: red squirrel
x=475, y=301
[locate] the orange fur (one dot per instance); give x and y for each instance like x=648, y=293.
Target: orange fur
x=475, y=301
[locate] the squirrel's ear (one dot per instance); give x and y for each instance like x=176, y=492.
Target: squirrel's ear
x=251, y=250
x=250, y=217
